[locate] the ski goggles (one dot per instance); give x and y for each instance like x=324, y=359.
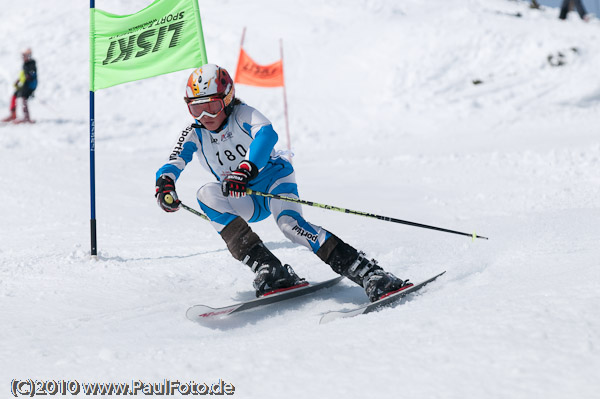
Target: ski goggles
x=206, y=107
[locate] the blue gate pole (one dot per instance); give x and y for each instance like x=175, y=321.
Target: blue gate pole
x=94, y=247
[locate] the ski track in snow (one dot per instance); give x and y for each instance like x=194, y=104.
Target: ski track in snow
x=384, y=118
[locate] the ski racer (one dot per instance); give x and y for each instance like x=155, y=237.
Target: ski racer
x=235, y=142
x=24, y=88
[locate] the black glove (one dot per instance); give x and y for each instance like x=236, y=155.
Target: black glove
x=236, y=182
x=166, y=195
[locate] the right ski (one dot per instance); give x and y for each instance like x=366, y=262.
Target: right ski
x=200, y=313
x=373, y=306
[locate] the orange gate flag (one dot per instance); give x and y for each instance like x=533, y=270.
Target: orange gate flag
x=250, y=73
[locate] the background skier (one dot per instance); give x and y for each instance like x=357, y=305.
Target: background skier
x=24, y=88
x=235, y=142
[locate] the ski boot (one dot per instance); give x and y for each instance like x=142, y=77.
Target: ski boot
x=271, y=275
x=379, y=284
x=275, y=278
x=248, y=248
x=349, y=262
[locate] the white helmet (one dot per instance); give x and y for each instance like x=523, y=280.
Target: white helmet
x=210, y=80
x=210, y=96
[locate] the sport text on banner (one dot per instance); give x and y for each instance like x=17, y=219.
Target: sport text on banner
x=164, y=37
x=250, y=73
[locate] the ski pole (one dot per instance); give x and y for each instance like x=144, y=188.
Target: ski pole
x=195, y=212
x=169, y=200
x=366, y=214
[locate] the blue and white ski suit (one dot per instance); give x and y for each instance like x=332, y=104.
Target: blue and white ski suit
x=249, y=135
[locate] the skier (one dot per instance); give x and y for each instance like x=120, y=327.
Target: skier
x=235, y=142
x=24, y=88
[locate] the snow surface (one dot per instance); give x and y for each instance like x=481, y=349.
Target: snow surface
x=385, y=118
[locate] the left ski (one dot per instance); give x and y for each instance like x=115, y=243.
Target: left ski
x=388, y=300
x=200, y=313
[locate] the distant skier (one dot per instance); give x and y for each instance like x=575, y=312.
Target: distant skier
x=235, y=142
x=24, y=88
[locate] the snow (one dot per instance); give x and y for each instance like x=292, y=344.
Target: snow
x=384, y=118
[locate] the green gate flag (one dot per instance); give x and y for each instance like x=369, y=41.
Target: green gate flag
x=164, y=37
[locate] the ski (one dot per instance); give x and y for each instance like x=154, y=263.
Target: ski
x=386, y=301
x=200, y=313
x=15, y=122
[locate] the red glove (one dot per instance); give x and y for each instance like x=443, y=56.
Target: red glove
x=236, y=183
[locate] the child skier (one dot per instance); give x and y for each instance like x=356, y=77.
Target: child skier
x=235, y=142
x=24, y=88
